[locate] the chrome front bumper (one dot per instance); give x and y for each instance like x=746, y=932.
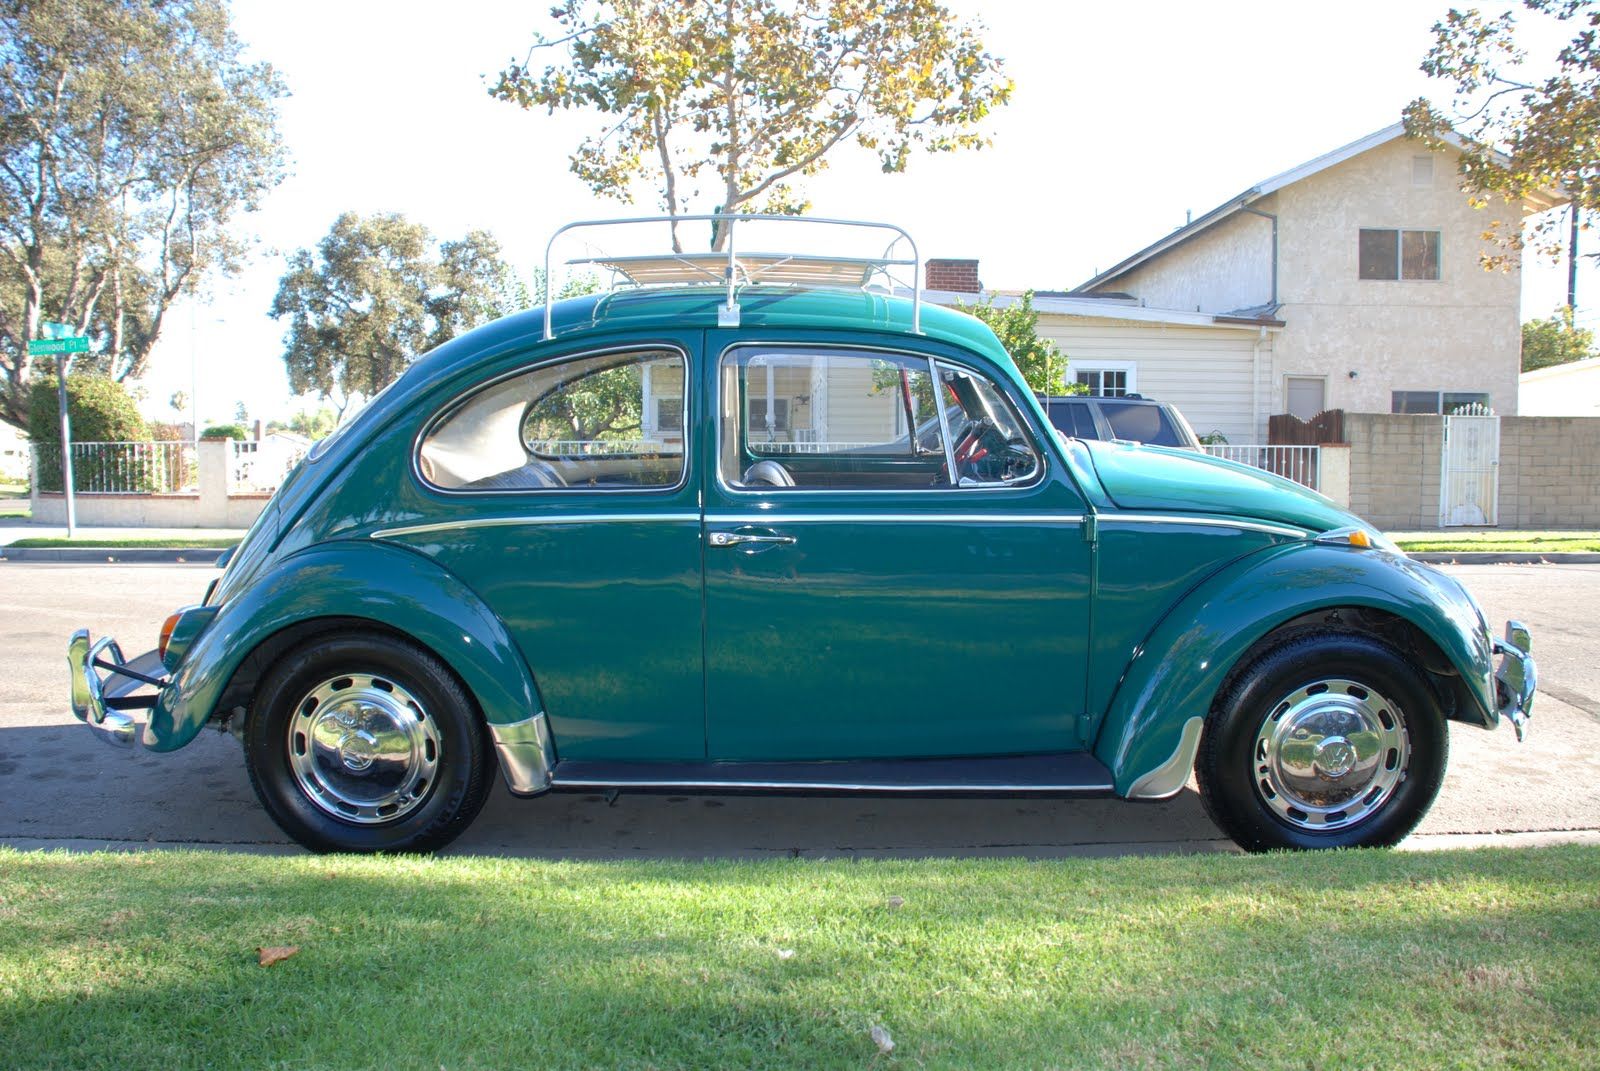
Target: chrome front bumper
x=1517, y=676
x=102, y=702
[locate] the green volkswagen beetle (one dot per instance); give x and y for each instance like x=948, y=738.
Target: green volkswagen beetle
x=797, y=539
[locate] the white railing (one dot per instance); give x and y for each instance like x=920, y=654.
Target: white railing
x=259, y=467
x=813, y=447
x=1297, y=463
x=152, y=468
x=601, y=447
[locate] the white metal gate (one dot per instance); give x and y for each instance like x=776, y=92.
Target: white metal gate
x=1469, y=483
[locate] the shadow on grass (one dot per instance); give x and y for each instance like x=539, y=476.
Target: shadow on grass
x=1354, y=959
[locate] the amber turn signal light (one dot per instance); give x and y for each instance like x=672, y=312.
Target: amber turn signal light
x=166, y=633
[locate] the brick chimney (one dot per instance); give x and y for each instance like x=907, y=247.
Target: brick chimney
x=958, y=275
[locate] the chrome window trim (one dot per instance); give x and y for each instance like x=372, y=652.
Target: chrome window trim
x=1039, y=480
x=445, y=411
x=534, y=520
x=1202, y=521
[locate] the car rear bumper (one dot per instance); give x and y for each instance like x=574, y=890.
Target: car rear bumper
x=110, y=704
x=1516, y=677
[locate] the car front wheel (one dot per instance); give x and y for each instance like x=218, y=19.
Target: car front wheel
x=1329, y=740
x=365, y=743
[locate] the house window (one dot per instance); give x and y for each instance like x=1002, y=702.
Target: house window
x=758, y=415
x=669, y=415
x=1108, y=381
x=1397, y=254
x=1448, y=402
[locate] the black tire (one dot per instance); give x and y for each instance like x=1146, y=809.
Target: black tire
x=445, y=767
x=1260, y=765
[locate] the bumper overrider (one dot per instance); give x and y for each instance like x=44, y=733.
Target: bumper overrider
x=104, y=702
x=1516, y=677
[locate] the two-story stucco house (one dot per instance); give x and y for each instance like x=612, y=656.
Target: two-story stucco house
x=1350, y=282
x=1369, y=256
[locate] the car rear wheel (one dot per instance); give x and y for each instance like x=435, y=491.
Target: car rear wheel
x=366, y=743
x=1329, y=740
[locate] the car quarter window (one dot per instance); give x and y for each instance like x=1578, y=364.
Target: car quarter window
x=608, y=421
x=823, y=419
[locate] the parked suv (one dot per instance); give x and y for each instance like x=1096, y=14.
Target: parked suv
x=1130, y=418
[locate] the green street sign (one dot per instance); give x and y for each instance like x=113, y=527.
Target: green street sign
x=42, y=347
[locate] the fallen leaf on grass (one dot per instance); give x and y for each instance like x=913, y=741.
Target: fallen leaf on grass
x=276, y=953
x=896, y=903
x=786, y=953
x=881, y=1038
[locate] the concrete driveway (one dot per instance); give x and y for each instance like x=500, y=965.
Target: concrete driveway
x=60, y=787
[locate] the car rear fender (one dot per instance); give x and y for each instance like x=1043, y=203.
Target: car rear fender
x=1153, y=723
x=396, y=589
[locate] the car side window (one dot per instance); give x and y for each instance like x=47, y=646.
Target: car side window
x=857, y=420
x=990, y=444
x=610, y=421
x=830, y=420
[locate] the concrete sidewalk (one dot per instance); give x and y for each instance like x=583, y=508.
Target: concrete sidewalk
x=90, y=544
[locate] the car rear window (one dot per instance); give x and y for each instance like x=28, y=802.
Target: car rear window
x=1073, y=418
x=1140, y=423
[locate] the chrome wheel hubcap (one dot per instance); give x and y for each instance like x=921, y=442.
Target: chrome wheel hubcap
x=363, y=749
x=1330, y=754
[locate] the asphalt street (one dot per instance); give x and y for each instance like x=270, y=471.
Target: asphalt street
x=60, y=787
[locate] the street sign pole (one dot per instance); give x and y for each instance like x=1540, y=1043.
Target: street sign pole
x=63, y=363
x=60, y=341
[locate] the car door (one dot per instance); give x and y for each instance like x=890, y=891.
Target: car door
x=861, y=602
x=579, y=526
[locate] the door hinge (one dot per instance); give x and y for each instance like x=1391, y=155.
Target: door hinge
x=1091, y=532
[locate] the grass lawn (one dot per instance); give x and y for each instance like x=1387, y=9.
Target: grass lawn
x=1360, y=959
x=179, y=543
x=1496, y=540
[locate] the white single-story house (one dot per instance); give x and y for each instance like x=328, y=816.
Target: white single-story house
x=1571, y=389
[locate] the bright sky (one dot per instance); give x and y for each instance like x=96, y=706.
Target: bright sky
x=1125, y=117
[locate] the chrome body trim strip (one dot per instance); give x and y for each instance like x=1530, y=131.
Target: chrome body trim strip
x=1168, y=779
x=1203, y=521
x=526, y=757
x=1517, y=676
x=832, y=786
x=778, y=520
x=535, y=519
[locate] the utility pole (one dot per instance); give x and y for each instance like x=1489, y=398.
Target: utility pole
x=1572, y=262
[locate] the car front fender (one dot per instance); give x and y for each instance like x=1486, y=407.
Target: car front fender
x=394, y=588
x=1152, y=727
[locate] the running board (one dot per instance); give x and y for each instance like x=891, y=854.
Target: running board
x=1074, y=773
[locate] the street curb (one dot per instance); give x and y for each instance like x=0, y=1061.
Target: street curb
x=113, y=555
x=1492, y=557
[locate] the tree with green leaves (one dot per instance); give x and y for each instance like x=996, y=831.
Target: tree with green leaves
x=753, y=95
x=374, y=295
x=1555, y=340
x=102, y=411
x=1016, y=325
x=132, y=133
x=1531, y=123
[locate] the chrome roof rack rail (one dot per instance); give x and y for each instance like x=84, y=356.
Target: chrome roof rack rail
x=732, y=268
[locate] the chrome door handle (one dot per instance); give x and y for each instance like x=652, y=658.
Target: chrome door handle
x=734, y=539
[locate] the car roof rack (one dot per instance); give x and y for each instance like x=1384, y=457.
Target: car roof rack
x=733, y=268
